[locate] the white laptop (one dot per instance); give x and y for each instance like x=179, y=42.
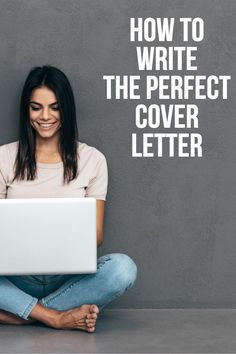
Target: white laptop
x=48, y=236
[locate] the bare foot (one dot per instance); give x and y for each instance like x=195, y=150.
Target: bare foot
x=83, y=318
x=9, y=318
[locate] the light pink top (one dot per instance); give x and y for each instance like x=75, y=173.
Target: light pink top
x=91, y=181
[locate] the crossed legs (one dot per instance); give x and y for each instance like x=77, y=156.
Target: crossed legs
x=76, y=303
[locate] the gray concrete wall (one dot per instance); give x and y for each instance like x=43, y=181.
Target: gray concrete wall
x=175, y=217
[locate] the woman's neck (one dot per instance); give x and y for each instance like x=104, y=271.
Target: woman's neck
x=47, y=151
x=47, y=146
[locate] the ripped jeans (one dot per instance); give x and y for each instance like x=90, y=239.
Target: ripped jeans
x=116, y=273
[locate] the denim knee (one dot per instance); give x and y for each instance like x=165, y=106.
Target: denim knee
x=123, y=271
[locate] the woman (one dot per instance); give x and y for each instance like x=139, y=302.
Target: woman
x=49, y=161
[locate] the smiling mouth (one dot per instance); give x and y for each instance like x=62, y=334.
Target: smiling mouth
x=46, y=125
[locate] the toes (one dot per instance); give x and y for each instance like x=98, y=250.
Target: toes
x=92, y=316
x=90, y=320
x=87, y=329
x=92, y=329
x=94, y=308
x=89, y=325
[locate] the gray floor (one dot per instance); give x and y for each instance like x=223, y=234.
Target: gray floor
x=132, y=331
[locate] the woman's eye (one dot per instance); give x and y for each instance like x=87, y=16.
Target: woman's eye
x=55, y=108
x=35, y=108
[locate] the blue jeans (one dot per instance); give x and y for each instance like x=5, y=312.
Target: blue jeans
x=116, y=272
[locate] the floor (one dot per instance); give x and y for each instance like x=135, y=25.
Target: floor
x=132, y=331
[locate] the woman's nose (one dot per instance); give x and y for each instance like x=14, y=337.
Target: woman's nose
x=45, y=114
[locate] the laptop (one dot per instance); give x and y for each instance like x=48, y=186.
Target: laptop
x=48, y=236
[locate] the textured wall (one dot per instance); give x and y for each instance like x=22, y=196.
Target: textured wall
x=174, y=217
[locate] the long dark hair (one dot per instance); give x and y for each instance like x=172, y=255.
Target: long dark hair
x=55, y=80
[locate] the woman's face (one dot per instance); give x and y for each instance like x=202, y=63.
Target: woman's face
x=44, y=113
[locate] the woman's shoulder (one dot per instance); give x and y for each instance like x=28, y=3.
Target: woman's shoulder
x=8, y=151
x=86, y=152
x=11, y=147
x=7, y=158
